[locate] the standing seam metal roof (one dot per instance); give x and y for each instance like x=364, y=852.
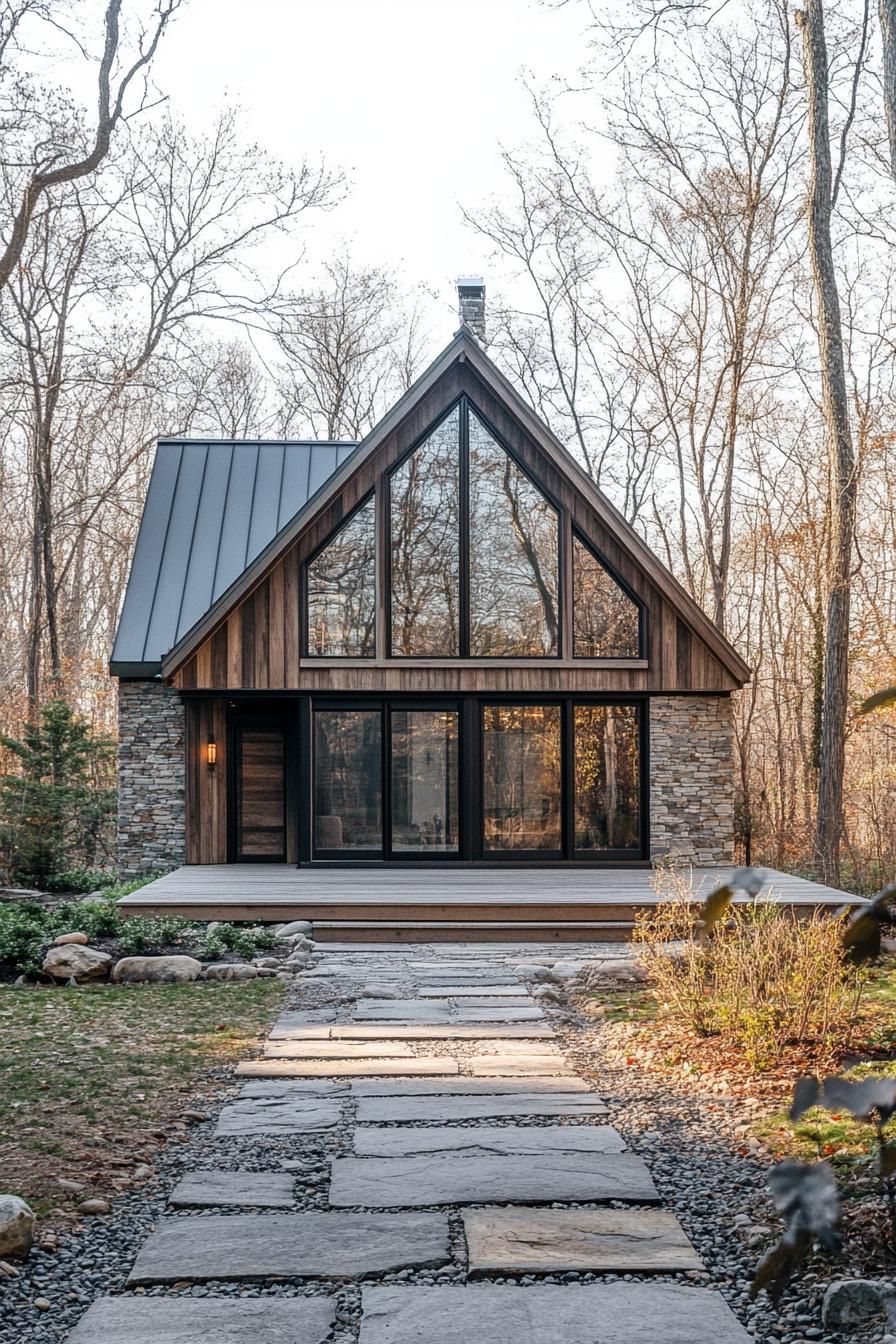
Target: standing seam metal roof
x=211, y=507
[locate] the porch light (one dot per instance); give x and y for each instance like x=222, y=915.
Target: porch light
x=211, y=753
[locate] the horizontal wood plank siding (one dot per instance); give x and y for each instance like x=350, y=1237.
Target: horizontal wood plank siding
x=258, y=645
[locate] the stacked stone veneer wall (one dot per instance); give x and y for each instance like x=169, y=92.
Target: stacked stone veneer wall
x=691, y=778
x=150, y=777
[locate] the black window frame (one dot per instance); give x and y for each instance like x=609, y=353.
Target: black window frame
x=596, y=553
x=305, y=586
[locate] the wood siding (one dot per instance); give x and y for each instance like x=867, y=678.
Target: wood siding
x=206, y=790
x=257, y=646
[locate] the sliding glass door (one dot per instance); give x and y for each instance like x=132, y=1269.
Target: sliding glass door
x=477, y=779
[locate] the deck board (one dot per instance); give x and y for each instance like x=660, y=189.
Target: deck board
x=319, y=891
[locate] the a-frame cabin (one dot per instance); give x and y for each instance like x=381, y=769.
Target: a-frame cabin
x=442, y=646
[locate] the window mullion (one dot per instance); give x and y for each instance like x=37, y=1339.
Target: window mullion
x=464, y=521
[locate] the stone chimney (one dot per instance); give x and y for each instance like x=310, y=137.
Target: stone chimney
x=471, y=305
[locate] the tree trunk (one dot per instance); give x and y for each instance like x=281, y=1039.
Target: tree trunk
x=888, y=73
x=835, y=405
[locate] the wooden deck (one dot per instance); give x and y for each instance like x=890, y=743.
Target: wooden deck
x=396, y=903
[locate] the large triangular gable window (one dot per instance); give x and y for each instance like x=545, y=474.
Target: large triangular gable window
x=472, y=563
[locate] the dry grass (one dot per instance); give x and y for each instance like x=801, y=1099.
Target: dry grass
x=765, y=980
x=94, y=1080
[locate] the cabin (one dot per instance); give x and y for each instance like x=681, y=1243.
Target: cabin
x=432, y=673
x=441, y=646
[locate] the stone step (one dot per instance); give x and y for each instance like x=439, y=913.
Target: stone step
x=345, y=1068
x=548, y=1241
x=395, y=1110
x=358, y=1031
x=413, y=1140
x=290, y=1246
x=277, y=1115
x=239, y=1189
x=461, y=1178
x=224, y=1320
x=601, y=1313
x=457, y=989
x=338, y=1050
x=414, y=1012
x=519, y=1066
x=451, y=1087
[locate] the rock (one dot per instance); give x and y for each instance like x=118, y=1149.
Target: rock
x=70, y=1187
x=235, y=1189
x=71, y=940
x=81, y=964
x=296, y=928
x=229, y=970
x=545, y=1241
x=42, y=1304
x=142, y=1172
x=156, y=970
x=482, y=1140
x=16, y=1227
x=547, y=993
x=286, y=976
x=266, y=963
x=851, y=1303
x=93, y=1206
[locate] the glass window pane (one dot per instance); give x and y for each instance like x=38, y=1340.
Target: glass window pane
x=348, y=779
x=513, y=556
x=606, y=623
x=607, y=778
x=521, y=785
x=425, y=524
x=341, y=591
x=424, y=781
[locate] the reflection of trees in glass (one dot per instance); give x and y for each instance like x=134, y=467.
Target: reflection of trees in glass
x=607, y=777
x=424, y=780
x=426, y=545
x=513, y=556
x=342, y=591
x=521, y=770
x=605, y=621
x=347, y=769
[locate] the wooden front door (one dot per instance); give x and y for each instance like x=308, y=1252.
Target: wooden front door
x=260, y=780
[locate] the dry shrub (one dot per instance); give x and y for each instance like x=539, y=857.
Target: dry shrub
x=766, y=979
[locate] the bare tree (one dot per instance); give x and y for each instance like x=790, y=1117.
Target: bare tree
x=887, y=14
x=50, y=162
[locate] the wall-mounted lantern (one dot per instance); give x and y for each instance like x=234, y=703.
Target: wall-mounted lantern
x=211, y=753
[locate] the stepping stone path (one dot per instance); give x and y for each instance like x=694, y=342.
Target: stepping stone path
x=446, y=1136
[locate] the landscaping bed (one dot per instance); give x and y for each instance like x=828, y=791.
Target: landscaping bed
x=97, y=1079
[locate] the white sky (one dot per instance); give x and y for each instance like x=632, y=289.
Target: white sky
x=413, y=98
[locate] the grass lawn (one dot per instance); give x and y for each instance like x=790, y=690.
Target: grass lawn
x=95, y=1079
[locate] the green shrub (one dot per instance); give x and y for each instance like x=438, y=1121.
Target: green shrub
x=78, y=880
x=234, y=938
x=23, y=933
x=98, y=918
x=144, y=936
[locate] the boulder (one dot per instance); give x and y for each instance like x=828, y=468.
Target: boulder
x=229, y=970
x=297, y=926
x=298, y=961
x=855, y=1303
x=94, y=1206
x=266, y=963
x=156, y=970
x=16, y=1226
x=81, y=964
x=71, y=940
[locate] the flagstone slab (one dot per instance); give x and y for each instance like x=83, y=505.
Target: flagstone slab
x=410, y=1011
x=447, y=1087
x=600, y=1313
x=457, y=989
x=520, y=1066
x=241, y=1189
x=297, y=1088
x=411, y=1140
x=544, y=1241
x=460, y=975
x=277, y=1115
x=293, y=1246
x=447, y=1031
x=345, y=1068
x=226, y=1320
x=338, y=1050
x=462, y=1178
x=447, y=1110
x=507, y=1013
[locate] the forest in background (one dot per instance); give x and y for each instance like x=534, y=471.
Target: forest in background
x=659, y=288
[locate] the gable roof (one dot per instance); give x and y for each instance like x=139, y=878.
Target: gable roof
x=212, y=506
x=463, y=347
